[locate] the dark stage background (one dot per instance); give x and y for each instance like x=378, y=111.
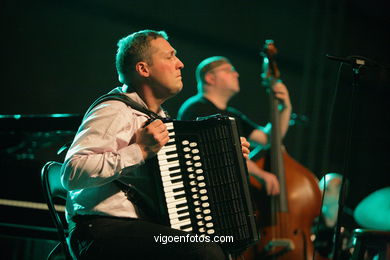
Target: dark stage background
x=58, y=56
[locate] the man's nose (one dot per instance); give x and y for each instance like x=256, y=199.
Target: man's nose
x=180, y=64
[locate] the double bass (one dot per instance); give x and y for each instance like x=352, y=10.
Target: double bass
x=285, y=220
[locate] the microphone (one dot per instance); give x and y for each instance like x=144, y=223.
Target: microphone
x=356, y=61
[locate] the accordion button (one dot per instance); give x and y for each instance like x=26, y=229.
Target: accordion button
x=209, y=224
x=193, y=144
x=198, y=164
x=185, y=142
x=211, y=231
x=208, y=218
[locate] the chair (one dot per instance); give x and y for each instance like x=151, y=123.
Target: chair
x=52, y=188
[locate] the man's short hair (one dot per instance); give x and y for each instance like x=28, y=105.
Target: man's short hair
x=207, y=65
x=132, y=49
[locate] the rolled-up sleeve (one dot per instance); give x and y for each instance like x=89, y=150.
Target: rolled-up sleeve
x=103, y=147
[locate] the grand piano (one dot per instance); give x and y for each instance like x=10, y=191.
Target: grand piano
x=27, y=143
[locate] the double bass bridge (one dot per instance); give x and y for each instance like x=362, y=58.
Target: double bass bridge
x=278, y=247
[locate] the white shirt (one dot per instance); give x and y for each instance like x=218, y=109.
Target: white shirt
x=103, y=150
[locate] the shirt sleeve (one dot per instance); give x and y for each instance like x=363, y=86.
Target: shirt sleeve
x=104, y=145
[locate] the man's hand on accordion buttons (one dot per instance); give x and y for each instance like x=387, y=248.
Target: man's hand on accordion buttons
x=152, y=138
x=245, y=147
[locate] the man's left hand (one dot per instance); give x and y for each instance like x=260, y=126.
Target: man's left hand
x=245, y=147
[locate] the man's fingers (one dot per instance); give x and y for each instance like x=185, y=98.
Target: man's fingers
x=272, y=185
x=275, y=187
x=244, y=141
x=165, y=140
x=156, y=127
x=245, y=150
x=155, y=123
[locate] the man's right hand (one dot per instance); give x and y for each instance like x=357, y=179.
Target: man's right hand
x=152, y=138
x=271, y=181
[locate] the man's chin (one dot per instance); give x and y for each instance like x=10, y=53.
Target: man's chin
x=178, y=88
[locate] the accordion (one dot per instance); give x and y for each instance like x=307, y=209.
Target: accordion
x=201, y=181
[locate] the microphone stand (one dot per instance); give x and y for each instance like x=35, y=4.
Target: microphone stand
x=357, y=64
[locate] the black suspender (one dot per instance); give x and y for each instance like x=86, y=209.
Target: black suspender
x=137, y=197
x=125, y=99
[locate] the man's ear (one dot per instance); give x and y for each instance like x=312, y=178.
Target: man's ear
x=209, y=78
x=142, y=69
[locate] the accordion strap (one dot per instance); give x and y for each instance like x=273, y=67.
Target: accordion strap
x=137, y=197
x=125, y=99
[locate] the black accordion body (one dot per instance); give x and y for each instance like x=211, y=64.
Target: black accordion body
x=202, y=181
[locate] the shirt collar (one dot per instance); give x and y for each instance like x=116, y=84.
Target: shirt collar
x=134, y=96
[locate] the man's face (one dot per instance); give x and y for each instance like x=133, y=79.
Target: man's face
x=165, y=69
x=226, y=78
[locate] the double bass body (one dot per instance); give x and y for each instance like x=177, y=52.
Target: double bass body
x=285, y=220
x=287, y=234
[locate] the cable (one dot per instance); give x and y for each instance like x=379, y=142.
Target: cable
x=330, y=119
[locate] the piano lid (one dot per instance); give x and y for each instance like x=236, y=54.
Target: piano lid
x=27, y=142
x=39, y=122
x=34, y=136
